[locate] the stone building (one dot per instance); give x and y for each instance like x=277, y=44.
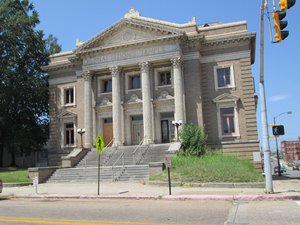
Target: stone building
x=132, y=80
x=291, y=150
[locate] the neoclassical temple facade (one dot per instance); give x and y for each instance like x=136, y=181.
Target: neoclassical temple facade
x=132, y=80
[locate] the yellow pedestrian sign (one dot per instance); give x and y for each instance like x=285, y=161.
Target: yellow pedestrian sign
x=100, y=144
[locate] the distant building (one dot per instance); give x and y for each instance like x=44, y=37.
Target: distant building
x=132, y=80
x=291, y=150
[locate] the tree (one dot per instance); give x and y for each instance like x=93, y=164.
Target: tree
x=193, y=140
x=23, y=85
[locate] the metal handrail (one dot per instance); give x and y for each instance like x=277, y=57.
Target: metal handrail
x=143, y=154
x=114, y=165
x=109, y=155
x=135, y=150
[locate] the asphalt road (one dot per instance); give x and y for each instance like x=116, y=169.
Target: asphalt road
x=144, y=212
x=289, y=174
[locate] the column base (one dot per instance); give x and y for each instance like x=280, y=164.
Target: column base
x=148, y=141
x=87, y=145
x=117, y=143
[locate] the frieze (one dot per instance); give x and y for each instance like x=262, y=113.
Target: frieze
x=129, y=54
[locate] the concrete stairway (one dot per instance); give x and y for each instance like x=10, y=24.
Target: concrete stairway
x=107, y=173
x=135, y=167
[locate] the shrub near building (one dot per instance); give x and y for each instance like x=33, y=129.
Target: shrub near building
x=193, y=140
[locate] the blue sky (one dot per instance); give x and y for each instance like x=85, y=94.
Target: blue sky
x=71, y=19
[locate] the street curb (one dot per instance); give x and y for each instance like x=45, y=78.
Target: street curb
x=17, y=184
x=209, y=185
x=168, y=197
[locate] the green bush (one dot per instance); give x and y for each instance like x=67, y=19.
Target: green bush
x=193, y=140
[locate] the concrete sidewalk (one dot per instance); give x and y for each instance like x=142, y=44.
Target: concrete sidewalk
x=284, y=190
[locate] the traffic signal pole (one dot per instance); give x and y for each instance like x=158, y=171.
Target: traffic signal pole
x=263, y=109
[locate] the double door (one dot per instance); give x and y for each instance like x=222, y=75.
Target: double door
x=137, y=129
x=167, y=128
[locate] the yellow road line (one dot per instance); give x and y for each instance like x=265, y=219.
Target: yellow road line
x=72, y=222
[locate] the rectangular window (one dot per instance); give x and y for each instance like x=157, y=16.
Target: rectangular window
x=224, y=77
x=69, y=96
x=164, y=78
x=227, y=120
x=107, y=86
x=69, y=134
x=135, y=82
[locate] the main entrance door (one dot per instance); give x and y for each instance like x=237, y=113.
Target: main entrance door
x=137, y=129
x=167, y=129
x=107, y=130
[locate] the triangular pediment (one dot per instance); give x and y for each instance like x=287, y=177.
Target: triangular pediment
x=129, y=31
x=225, y=97
x=66, y=114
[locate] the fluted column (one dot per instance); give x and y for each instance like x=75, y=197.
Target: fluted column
x=178, y=89
x=88, y=108
x=147, y=109
x=116, y=105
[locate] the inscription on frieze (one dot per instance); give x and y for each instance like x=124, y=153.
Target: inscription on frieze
x=131, y=54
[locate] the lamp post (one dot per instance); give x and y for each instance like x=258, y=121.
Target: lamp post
x=177, y=123
x=81, y=132
x=278, y=161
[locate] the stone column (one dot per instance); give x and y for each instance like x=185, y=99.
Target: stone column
x=147, y=109
x=116, y=105
x=178, y=89
x=88, y=109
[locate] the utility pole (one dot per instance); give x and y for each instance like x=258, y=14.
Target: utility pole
x=263, y=108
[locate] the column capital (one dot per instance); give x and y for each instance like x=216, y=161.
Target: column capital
x=86, y=75
x=114, y=70
x=144, y=66
x=176, y=62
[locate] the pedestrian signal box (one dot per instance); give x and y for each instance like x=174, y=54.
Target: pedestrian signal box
x=278, y=130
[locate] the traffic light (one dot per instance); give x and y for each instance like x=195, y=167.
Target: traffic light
x=279, y=24
x=278, y=130
x=286, y=4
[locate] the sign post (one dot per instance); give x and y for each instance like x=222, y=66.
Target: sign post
x=35, y=182
x=99, y=145
x=168, y=165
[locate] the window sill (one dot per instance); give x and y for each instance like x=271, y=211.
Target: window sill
x=69, y=146
x=227, y=87
x=133, y=90
x=69, y=105
x=233, y=135
x=104, y=94
x=164, y=86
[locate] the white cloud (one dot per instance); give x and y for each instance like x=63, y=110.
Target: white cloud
x=278, y=98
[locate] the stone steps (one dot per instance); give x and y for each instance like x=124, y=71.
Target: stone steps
x=136, y=172
x=111, y=169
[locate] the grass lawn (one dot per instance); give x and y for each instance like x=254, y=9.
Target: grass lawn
x=211, y=168
x=14, y=175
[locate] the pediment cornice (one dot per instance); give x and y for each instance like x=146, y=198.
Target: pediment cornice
x=96, y=43
x=232, y=39
x=225, y=98
x=67, y=114
x=173, y=38
x=219, y=40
